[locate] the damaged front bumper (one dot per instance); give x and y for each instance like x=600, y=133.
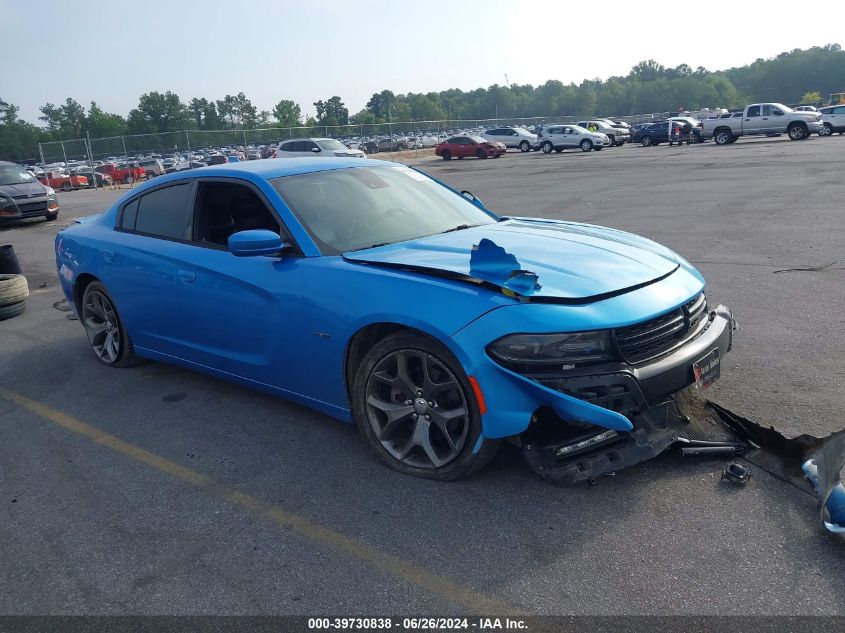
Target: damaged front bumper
x=642, y=393
x=589, y=421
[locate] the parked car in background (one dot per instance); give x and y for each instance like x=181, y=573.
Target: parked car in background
x=559, y=137
x=62, y=180
x=122, y=172
x=316, y=148
x=694, y=123
x=22, y=195
x=215, y=159
x=762, y=119
x=463, y=146
x=618, y=135
x=833, y=120
x=183, y=165
x=392, y=144
x=806, y=108
x=152, y=167
x=102, y=180
x=515, y=137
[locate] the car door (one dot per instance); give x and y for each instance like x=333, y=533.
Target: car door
x=137, y=265
x=837, y=118
x=773, y=120
x=752, y=122
x=240, y=315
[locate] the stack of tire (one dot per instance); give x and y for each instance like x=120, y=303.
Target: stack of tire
x=13, y=286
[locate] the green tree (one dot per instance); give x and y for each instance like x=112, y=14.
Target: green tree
x=332, y=112
x=158, y=112
x=811, y=98
x=287, y=113
x=100, y=124
x=66, y=120
x=381, y=105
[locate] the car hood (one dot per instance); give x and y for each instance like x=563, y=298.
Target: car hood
x=534, y=259
x=23, y=189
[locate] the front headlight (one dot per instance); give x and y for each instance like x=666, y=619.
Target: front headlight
x=545, y=350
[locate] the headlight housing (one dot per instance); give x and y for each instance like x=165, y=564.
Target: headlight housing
x=548, y=351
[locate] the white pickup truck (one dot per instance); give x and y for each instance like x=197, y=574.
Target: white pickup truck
x=761, y=118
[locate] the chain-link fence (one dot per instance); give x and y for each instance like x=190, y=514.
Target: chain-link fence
x=414, y=135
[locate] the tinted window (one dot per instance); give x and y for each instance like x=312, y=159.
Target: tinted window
x=165, y=213
x=130, y=211
x=494, y=132
x=753, y=111
x=288, y=147
x=839, y=110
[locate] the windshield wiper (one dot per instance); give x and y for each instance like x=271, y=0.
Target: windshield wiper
x=460, y=227
x=363, y=248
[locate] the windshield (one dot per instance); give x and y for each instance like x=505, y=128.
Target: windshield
x=331, y=144
x=354, y=208
x=14, y=175
x=782, y=107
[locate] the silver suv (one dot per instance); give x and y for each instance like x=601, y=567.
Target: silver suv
x=833, y=120
x=152, y=167
x=516, y=137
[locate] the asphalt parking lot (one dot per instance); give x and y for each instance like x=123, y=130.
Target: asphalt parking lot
x=155, y=490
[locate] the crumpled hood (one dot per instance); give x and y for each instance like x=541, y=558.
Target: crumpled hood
x=538, y=259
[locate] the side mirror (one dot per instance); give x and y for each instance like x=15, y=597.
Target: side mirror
x=256, y=242
x=469, y=196
x=315, y=149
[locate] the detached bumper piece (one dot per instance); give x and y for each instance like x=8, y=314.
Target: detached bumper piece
x=565, y=452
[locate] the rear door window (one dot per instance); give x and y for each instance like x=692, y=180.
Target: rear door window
x=165, y=213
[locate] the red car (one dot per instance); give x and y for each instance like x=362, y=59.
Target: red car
x=461, y=146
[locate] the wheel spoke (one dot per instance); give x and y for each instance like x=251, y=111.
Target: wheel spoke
x=405, y=382
x=422, y=437
x=394, y=411
x=94, y=327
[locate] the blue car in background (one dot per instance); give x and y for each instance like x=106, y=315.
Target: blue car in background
x=380, y=296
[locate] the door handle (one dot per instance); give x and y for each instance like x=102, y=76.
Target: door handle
x=765, y=118
x=187, y=276
x=108, y=255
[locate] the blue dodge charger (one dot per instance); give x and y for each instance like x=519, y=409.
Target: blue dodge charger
x=380, y=296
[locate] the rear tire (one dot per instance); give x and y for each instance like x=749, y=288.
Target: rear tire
x=406, y=375
x=66, y=186
x=447, y=155
x=104, y=327
x=525, y=146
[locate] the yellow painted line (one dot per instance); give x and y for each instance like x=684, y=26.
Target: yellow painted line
x=434, y=584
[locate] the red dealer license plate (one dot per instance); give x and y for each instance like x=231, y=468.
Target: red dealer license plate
x=706, y=370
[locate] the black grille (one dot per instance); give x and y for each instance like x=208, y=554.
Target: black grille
x=33, y=207
x=650, y=339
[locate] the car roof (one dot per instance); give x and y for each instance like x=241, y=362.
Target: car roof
x=267, y=169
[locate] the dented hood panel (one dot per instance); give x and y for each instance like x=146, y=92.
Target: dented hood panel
x=534, y=258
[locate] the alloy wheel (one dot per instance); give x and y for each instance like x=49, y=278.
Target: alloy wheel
x=417, y=409
x=101, y=325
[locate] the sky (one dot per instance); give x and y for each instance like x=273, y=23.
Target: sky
x=111, y=52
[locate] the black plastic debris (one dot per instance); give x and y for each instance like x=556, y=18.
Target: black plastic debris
x=736, y=473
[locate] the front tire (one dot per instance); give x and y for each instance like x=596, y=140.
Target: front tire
x=826, y=130
x=547, y=147
x=722, y=137
x=796, y=132
x=106, y=334
x=480, y=153
x=586, y=145
x=645, y=141
x=416, y=409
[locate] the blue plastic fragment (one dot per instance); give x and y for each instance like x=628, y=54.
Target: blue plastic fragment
x=835, y=503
